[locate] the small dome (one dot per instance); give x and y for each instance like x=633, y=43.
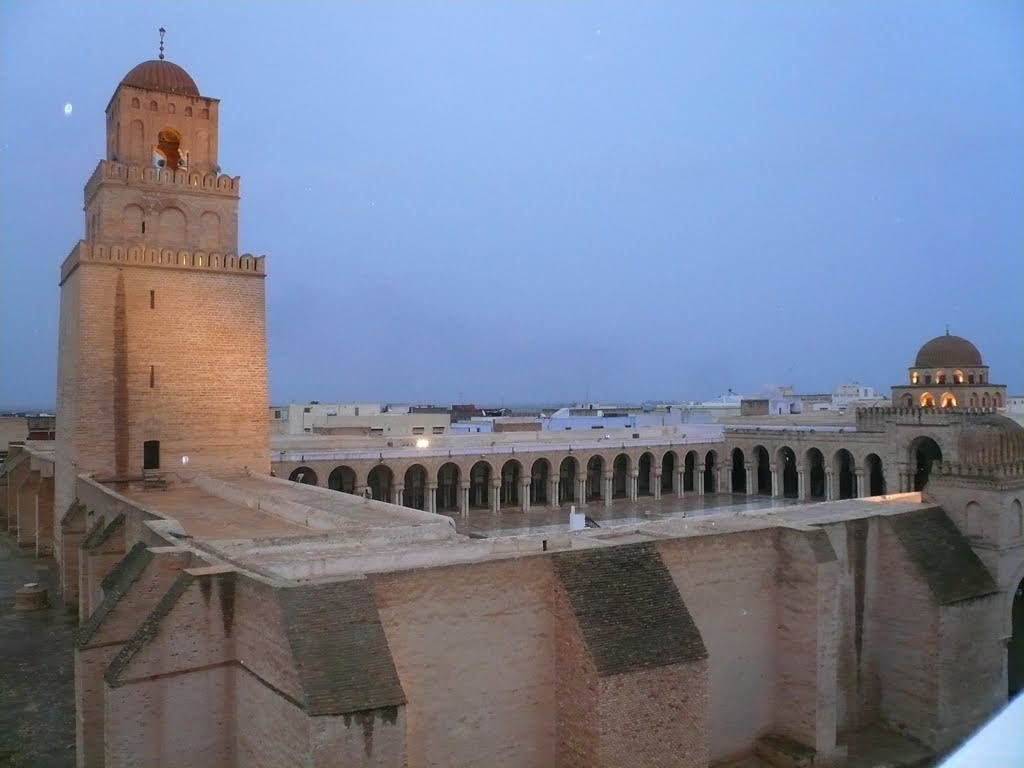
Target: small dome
x=161, y=75
x=989, y=438
x=948, y=352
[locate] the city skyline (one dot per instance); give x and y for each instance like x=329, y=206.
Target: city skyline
x=532, y=203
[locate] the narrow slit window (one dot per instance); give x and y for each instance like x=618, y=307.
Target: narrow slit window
x=152, y=376
x=143, y=227
x=152, y=299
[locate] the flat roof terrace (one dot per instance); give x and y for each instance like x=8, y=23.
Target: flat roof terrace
x=330, y=556
x=253, y=506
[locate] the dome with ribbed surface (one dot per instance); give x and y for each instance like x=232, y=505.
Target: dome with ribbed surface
x=161, y=75
x=990, y=438
x=948, y=352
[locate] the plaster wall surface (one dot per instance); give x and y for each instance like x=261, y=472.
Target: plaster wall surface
x=728, y=584
x=172, y=720
x=181, y=682
x=373, y=739
x=576, y=690
x=971, y=667
x=473, y=647
x=272, y=731
x=908, y=623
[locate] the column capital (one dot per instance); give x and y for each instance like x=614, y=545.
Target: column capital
x=398, y=487
x=465, y=485
x=431, y=486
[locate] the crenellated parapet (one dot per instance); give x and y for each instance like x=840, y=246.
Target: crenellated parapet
x=997, y=471
x=209, y=183
x=162, y=257
x=875, y=419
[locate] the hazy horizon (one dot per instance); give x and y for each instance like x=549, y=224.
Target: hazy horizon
x=532, y=202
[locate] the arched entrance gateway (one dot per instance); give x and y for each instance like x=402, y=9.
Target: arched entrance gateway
x=845, y=472
x=924, y=452
x=764, y=471
x=342, y=479
x=710, y=472
x=539, y=478
x=480, y=484
x=876, y=480
x=690, y=471
x=790, y=477
x=380, y=481
x=620, y=476
x=595, y=472
x=645, y=478
x=448, y=487
x=415, y=494
x=815, y=474
x=668, y=472
x=567, y=478
x=303, y=475
x=511, y=479
x=1015, y=646
x=739, y=471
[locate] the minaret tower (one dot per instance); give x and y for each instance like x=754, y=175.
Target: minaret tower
x=162, y=360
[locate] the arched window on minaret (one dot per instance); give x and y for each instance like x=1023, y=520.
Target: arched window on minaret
x=168, y=153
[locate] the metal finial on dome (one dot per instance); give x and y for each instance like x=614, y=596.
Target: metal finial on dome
x=947, y=329
x=162, y=31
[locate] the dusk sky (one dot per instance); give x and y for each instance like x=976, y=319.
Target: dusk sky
x=534, y=202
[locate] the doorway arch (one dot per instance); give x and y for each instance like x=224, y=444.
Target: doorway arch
x=668, y=472
x=342, y=479
x=595, y=476
x=764, y=471
x=480, y=484
x=739, y=471
x=380, y=481
x=539, y=474
x=710, y=472
x=511, y=480
x=924, y=452
x=790, y=475
x=876, y=478
x=448, y=487
x=415, y=494
x=303, y=475
x=815, y=474
x=1015, y=645
x=645, y=478
x=690, y=471
x=845, y=470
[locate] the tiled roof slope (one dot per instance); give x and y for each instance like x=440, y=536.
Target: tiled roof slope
x=115, y=585
x=942, y=555
x=339, y=648
x=630, y=613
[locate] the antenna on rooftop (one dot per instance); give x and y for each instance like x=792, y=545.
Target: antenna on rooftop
x=162, y=31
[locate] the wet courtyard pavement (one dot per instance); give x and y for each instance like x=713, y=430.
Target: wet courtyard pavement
x=37, y=681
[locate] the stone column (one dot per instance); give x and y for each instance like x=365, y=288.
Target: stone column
x=830, y=491
x=397, y=494
x=553, y=483
x=680, y=488
x=657, y=484
x=464, y=497
x=432, y=498
x=776, y=485
x=801, y=484
x=495, y=495
x=724, y=480
x=634, y=484
x=698, y=479
x=607, y=489
x=524, y=493
x=360, y=490
x=581, y=491
x=859, y=490
x=751, y=480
